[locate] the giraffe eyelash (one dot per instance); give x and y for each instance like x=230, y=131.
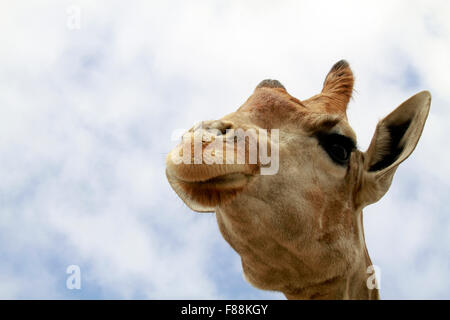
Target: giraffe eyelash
x=337, y=146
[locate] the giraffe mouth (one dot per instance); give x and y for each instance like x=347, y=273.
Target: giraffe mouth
x=205, y=195
x=223, y=182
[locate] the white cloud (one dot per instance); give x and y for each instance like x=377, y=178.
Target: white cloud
x=87, y=115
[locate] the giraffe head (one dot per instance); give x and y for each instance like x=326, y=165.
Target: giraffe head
x=299, y=225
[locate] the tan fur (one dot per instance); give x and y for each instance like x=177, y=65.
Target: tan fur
x=300, y=231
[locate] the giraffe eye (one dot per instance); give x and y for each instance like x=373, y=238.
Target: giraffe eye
x=338, y=152
x=337, y=146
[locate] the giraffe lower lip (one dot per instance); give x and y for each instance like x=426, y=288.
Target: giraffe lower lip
x=206, y=195
x=223, y=182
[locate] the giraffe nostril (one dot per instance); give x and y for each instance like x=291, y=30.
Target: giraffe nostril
x=215, y=127
x=219, y=127
x=225, y=126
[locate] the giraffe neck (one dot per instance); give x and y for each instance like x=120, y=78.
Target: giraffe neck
x=354, y=285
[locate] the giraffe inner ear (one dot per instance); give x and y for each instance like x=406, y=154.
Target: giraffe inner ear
x=397, y=134
x=390, y=144
x=338, y=84
x=395, y=138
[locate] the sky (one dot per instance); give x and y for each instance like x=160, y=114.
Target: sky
x=92, y=91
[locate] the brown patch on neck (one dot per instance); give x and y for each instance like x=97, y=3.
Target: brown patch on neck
x=326, y=290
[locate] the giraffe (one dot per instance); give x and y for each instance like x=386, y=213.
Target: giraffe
x=298, y=231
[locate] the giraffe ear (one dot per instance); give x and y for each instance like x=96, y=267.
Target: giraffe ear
x=394, y=140
x=338, y=84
